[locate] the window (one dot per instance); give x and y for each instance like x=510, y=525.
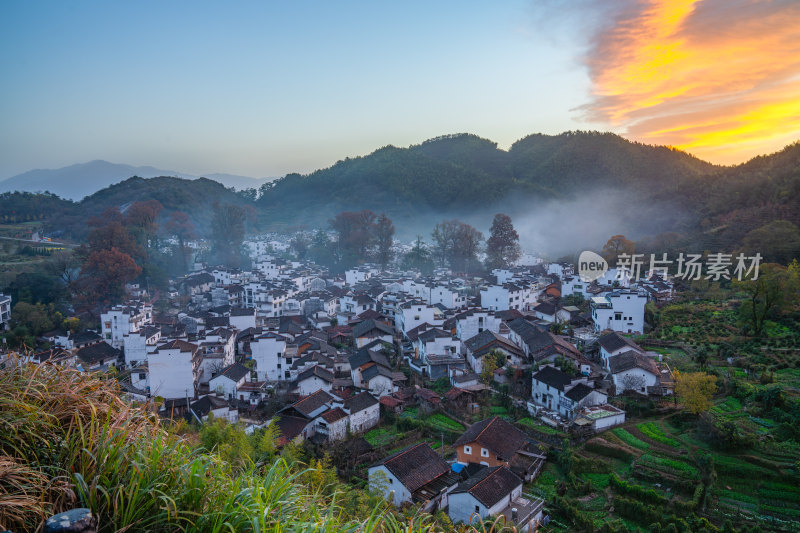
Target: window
x=142, y=375
x=477, y=509
x=279, y=365
x=468, y=450
x=617, y=316
x=484, y=452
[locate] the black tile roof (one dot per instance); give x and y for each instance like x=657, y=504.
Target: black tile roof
x=631, y=359
x=97, y=353
x=415, y=466
x=490, y=485
x=236, y=371
x=552, y=376
x=579, y=392
x=359, y=402
x=614, y=341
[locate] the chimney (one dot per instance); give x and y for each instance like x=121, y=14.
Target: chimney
x=514, y=516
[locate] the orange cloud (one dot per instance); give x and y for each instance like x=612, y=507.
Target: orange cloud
x=718, y=78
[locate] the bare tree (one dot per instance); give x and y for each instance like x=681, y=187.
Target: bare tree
x=633, y=382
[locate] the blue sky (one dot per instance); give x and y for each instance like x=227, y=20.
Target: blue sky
x=266, y=88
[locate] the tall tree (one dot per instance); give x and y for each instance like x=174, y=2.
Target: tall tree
x=65, y=265
x=227, y=234
x=777, y=241
x=419, y=257
x=108, y=231
x=695, y=389
x=443, y=235
x=775, y=290
x=355, y=231
x=180, y=227
x=615, y=246
x=467, y=245
x=140, y=219
x=456, y=243
x=299, y=245
x=384, y=239
x=106, y=273
x=321, y=249
x=502, y=246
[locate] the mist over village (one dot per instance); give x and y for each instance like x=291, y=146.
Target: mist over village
x=526, y=267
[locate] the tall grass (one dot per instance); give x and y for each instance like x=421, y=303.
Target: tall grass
x=67, y=439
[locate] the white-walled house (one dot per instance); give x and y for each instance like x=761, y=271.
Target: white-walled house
x=174, y=369
x=491, y=492
x=5, y=311
x=561, y=270
x=556, y=391
x=399, y=476
x=363, y=412
x=483, y=343
x=124, y=319
x=136, y=345
x=449, y=297
x=507, y=296
x=631, y=370
x=619, y=311
x=356, y=303
x=549, y=312
x=612, y=344
x=229, y=380
x=574, y=285
x=269, y=353
x=313, y=379
x=242, y=318
x=474, y=321
x=357, y=275
x=371, y=371
x=370, y=330
x=414, y=313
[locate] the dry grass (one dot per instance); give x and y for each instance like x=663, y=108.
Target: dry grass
x=67, y=440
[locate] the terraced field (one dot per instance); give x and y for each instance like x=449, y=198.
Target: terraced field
x=658, y=463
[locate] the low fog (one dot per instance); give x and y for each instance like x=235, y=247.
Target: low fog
x=555, y=228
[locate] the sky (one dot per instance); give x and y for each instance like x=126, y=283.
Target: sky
x=267, y=88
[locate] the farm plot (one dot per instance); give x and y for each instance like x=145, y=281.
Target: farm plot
x=655, y=432
x=382, y=436
x=438, y=421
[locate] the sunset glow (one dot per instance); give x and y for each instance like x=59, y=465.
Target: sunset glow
x=718, y=79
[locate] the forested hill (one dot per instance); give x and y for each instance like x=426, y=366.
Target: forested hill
x=457, y=172
x=657, y=189
x=195, y=197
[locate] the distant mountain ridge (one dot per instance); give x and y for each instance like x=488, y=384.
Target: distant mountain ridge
x=563, y=191
x=77, y=181
x=460, y=172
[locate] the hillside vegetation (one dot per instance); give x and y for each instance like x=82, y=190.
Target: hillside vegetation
x=67, y=440
x=655, y=190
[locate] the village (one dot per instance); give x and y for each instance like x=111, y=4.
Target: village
x=443, y=392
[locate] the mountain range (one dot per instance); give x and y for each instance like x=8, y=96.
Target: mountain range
x=80, y=180
x=563, y=192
